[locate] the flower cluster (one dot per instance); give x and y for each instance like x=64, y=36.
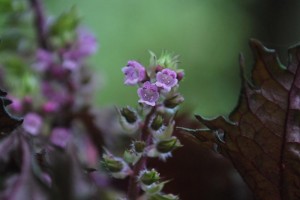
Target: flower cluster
x=161, y=81
x=152, y=124
x=57, y=142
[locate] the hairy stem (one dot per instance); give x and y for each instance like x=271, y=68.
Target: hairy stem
x=39, y=21
x=133, y=188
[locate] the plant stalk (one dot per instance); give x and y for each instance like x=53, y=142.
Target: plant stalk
x=133, y=187
x=39, y=22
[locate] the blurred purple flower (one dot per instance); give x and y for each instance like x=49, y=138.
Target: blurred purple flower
x=148, y=94
x=70, y=64
x=17, y=105
x=60, y=137
x=166, y=79
x=55, y=92
x=32, y=123
x=50, y=107
x=86, y=43
x=134, y=72
x=43, y=60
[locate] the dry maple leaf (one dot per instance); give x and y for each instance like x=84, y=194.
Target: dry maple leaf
x=261, y=137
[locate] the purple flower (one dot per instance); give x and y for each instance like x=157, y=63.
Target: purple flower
x=50, y=106
x=44, y=59
x=148, y=94
x=60, y=137
x=17, y=105
x=166, y=79
x=134, y=72
x=56, y=93
x=32, y=123
x=86, y=43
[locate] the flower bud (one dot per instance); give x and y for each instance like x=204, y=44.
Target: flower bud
x=112, y=164
x=129, y=114
x=157, y=122
x=168, y=60
x=180, y=75
x=174, y=101
x=129, y=119
x=139, y=146
x=164, y=197
x=166, y=146
x=149, y=177
x=116, y=166
x=158, y=68
x=154, y=188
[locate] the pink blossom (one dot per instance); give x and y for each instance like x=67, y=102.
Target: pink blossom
x=166, y=79
x=148, y=94
x=60, y=137
x=134, y=73
x=32, y=123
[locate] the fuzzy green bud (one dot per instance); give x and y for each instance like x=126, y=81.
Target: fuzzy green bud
x=149, y=177
x=157, y=122
x=174, y=101
x=139, y=146
x=129, y=114
x=111, y=164
x=168, y=145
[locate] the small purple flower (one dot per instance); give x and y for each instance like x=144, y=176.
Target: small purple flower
x=134, y=72
x=148, y=94
x=86, y=43
x=56, y=93
x=44, y=59
x=60, y=137
x=32, y=123
x=70, y=65
x=17, y=105
x=166, y=79
x=50, y=106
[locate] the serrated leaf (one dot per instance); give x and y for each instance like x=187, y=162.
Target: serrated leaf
x=7, y=122
x=262, y=134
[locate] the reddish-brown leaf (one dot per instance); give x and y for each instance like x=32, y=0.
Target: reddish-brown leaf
x=262, y=134
x=7, y=122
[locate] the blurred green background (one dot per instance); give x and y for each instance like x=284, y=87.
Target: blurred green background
x=208, y=34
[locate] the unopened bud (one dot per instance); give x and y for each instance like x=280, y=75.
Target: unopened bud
x=112, y=164
x=174, y=101
x=139, y=146
x=180, y=75
x=158, y=68
x=149, y=177
x=166, y=146
x=129, y=114
x=157, y=122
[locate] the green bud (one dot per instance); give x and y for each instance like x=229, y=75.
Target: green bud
x=129, y=114
x=149, y=177
x=139, y=146
x=112, y=164
x=154, y=188
x=131, y=157
x=168, y=60
x=65, y=23
x=163, y=197
x=173, y=101
x=157, y=122
x=153, y=59
x=166, y=146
